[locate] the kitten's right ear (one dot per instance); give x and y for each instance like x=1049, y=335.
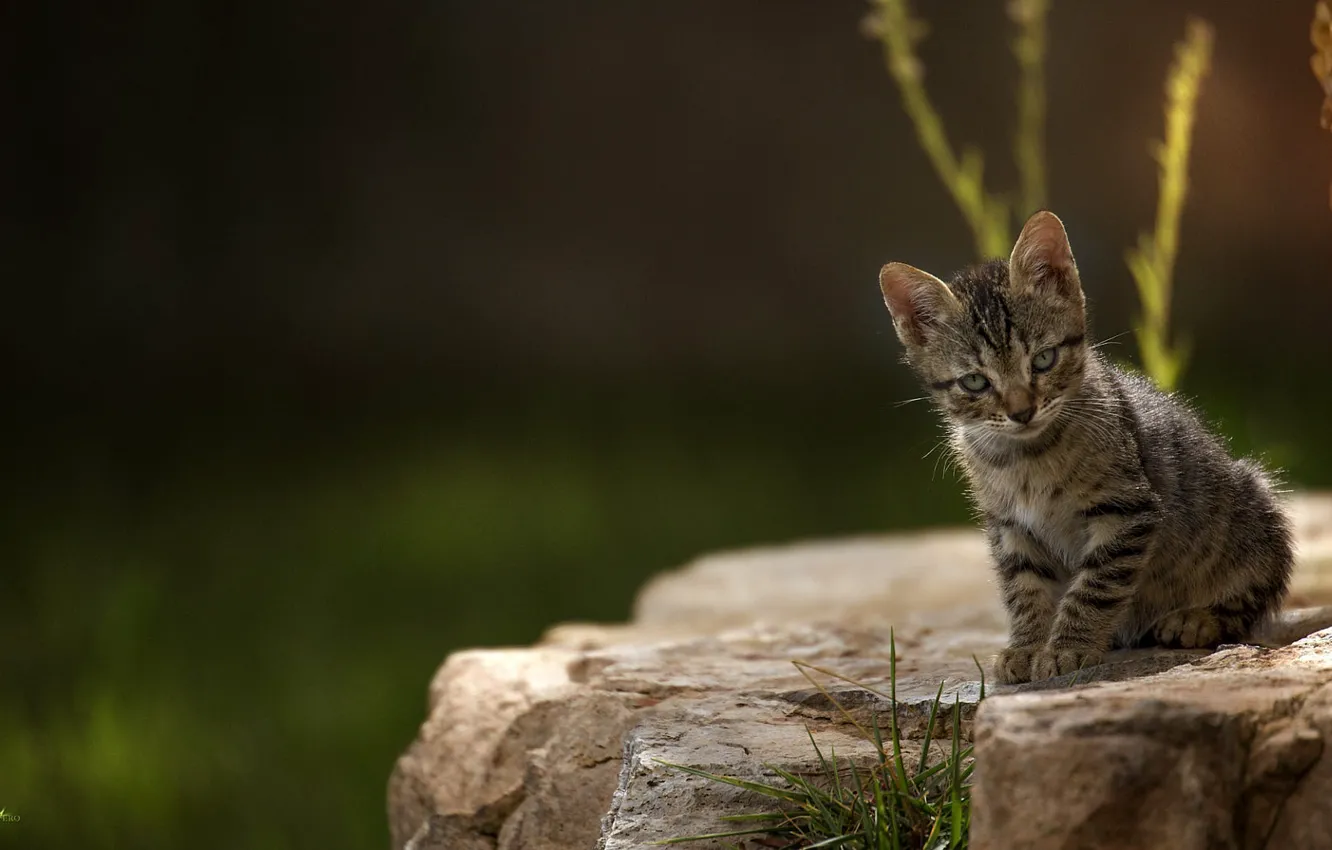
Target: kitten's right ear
x=1042, y=257
x=917, y=300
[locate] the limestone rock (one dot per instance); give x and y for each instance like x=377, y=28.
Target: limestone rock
x=654, y=802
x=939, y=578
x=557, y=746
x=540, y=736
x=1226, y=752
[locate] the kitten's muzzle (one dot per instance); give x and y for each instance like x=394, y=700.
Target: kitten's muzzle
x=1019, y=404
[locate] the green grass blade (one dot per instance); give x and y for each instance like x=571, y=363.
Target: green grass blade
x=929, y=730
x=828, y=771
x=711, y=836
x=754, y=816
x=833, y=674
x=878, y=740
x=748, y=785
x=804, y=671
x=860, y=817
x=958, y=835
x=934, y=833
x=898, y=763
x=836, y=775
x=835, y=841
x=817, y=801
x=931, y=772
x=966, y=771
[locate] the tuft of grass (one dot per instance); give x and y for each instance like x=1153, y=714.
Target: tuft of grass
x=890, y=805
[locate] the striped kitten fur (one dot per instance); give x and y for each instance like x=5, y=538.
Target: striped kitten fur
x=1115, y=518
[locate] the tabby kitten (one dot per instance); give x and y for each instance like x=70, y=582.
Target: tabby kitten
x=1115, y=518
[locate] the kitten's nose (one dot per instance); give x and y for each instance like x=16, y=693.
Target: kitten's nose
x=1023, y=416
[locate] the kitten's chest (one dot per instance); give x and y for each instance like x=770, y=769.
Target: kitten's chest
x=1043, y=510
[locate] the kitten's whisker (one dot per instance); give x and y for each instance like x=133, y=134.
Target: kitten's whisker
x=942, y=456
x=934, y=449
x=1109, y=340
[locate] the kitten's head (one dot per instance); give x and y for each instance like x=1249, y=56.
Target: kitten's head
x=1002, y=347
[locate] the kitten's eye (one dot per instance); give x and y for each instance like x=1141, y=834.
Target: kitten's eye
x=974, y=383
x=1044, y=360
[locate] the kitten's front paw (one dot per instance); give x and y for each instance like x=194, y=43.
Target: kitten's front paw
x=1049, y=662
x=1014, y=665
x=1194, y=628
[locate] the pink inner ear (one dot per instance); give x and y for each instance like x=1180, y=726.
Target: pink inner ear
x=902, y=292
x=900, y=303
x=1043, y=256
x=1055, y=256
x=913, y=298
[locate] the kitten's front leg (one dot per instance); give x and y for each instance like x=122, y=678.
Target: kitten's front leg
x=1097, y=599
x=1028, y=594
x=1031, y=612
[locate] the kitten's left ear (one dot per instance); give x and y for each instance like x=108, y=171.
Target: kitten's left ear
x=1042, y=258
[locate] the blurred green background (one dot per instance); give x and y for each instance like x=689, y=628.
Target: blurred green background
x=339, y=337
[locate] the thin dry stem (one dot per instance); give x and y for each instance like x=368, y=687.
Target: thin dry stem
x=1029, y=142
x=963, y=176
x=1152, y=263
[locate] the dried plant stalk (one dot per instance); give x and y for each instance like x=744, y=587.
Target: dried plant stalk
x=1152, y=263
x=990, y=215
x=963, y=176
x=1029, y=143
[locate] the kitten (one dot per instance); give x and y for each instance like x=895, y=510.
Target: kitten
x=1115, y=518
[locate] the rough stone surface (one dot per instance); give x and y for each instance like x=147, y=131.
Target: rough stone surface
x=556, y=746
x=539, y=735
x=937, y=578
x=1227, y=752
x=654, y=802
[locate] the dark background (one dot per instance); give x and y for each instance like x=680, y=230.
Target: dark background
x=341, y=336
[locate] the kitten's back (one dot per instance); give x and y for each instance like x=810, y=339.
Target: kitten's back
x=1222, y=533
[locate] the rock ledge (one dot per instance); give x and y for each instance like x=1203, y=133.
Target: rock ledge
x=556, y=746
